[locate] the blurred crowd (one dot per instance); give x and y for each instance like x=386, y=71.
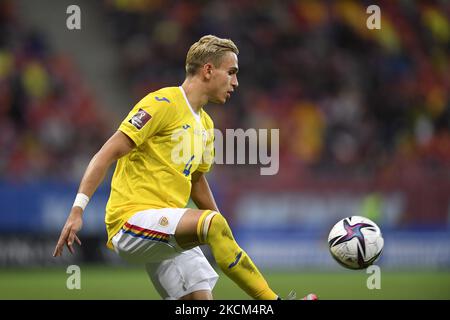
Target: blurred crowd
x=50, y=125
x=344, y=97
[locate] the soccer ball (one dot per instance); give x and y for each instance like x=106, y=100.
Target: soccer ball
x=355, y=242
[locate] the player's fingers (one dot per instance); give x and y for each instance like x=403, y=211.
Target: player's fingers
x=60, y=245
x=58, y=249
x=55, y=252
x=77, y=240
x=70, y=239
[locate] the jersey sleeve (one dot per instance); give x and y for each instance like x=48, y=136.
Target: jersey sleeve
x=208, y=153
x=146, y=119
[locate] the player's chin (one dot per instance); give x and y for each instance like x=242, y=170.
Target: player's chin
x=220, y=100
x=227, y=96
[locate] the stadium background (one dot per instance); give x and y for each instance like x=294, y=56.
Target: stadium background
x=364, y=119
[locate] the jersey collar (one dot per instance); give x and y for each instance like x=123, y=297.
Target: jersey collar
x=196, y=115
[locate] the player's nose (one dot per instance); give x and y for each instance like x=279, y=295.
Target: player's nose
x=234, y=82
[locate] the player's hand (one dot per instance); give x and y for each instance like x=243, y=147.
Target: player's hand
x=69, y=232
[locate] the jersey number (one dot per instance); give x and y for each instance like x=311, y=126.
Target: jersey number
x=187, y=167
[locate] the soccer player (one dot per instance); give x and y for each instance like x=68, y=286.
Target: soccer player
x=146, y=218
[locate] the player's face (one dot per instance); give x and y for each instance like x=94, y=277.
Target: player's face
x=223, y=80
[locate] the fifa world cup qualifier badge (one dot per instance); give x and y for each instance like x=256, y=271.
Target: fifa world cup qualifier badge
x=140, y=119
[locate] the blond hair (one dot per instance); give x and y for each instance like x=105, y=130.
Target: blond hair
x=208, y=49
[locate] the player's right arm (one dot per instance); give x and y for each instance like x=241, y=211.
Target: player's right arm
x=116, y=147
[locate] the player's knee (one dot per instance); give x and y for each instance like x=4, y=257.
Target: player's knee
x=214, y=226
x=219, y=228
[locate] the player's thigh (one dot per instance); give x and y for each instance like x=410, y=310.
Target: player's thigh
x=188, y=275
x=186, y=231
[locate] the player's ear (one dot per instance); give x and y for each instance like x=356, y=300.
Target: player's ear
x=207, y=70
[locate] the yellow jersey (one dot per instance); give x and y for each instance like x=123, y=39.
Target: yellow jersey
x=172, y=142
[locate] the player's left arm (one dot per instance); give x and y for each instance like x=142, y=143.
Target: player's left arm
x=201, y=193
